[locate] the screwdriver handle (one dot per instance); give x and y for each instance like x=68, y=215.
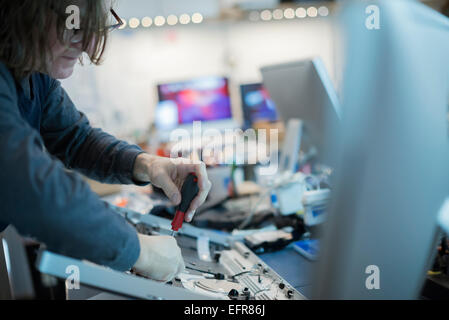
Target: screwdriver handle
x=178, y=220
x=189, y=191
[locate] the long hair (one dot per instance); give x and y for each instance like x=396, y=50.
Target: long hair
x=445, y=9
x=24, y=29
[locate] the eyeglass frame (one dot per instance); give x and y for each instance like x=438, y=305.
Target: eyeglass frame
x=118, y=24
x=108, y=28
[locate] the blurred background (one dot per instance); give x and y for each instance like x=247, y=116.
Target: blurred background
x=172, y=41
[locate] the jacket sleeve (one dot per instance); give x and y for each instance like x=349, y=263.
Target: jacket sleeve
x=68, y=136
x=45, y=201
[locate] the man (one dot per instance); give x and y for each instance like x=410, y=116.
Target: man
x=42, y=134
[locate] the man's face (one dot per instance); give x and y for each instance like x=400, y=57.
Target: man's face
x=65, y=55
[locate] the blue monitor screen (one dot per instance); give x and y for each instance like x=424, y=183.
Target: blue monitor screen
x=204, y=99
x=257, y=104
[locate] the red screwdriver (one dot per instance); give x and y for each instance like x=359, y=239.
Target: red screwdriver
x=189, y=191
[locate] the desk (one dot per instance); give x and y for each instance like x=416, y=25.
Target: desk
x=290, y=265
x=293, y=267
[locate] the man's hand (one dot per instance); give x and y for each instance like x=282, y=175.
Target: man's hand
x=160, y=258
x=169, y=175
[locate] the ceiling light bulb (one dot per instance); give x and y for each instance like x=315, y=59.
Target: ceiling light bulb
x=278, y=14
x=323, y=11
x=289, y=13
x=159, y=21
x=147, y=22
x=266, y=15
x=184, y=19
x=301, y=13
x=312, y=12
x=172, y=20
x=197, y=18
x=134, y=23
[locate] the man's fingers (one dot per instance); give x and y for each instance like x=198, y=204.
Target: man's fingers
x=198, y=168
x=201, y=172
x=164, y=182
x=196, y=203
x=204, y=185
x=199, y=200
x=190, y=215
x=185, y=166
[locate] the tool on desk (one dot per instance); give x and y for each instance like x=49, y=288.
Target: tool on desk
x=189, y=191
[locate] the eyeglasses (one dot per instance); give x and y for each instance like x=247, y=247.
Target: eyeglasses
x=118, y=24
x=76, y=35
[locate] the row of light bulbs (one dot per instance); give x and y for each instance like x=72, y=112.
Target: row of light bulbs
x=289, y=13
x=265, y=15
x=160, y=21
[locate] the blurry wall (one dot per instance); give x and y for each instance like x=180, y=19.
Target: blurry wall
x=120, y=95
x=133, y=8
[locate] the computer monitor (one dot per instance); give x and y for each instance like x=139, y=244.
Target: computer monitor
x=303, y=90
x=205, y=99
x=257, y=104
x=393, y=165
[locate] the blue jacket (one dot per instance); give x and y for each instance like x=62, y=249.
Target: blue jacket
x=42, y=135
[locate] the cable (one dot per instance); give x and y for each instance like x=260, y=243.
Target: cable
x=248, y=219
x=261, y=290
x=220, y=276
x=217, y=276
x=268, y=288
x=241, y=274
x=201, y=271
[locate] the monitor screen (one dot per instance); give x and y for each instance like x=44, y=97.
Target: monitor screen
x=303, y=90
x=203, y=99
x=257, y=104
